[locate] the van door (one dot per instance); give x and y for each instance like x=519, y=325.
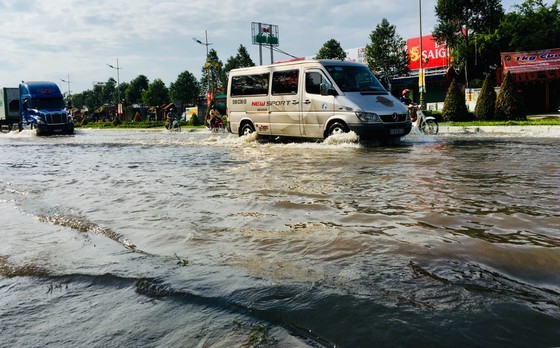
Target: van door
x=316, y=108
x=284, y=103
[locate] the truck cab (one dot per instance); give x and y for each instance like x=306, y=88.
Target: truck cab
x=42, y=108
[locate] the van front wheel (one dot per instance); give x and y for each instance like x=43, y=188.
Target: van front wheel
x=247, y=128
x=337, y=128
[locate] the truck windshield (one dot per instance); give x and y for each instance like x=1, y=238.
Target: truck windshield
x=49, y=103
x=355, y=78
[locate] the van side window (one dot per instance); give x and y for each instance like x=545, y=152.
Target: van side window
x=285, y=82
x=313, y=82
x=246, y=85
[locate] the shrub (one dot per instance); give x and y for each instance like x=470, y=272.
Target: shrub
x=509, y=104
x=137, y=117
x=193, y=121
x=84, y=121
x=486, y=103
x=116, y=121
x=455, y=108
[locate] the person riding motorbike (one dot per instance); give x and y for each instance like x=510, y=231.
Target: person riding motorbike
x=216, y=121
x=412, y=106
x=171, y=121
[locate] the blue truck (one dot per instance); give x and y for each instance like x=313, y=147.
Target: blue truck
x=41, y=107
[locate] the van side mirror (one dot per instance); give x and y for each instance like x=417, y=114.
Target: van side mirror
x=326, y=89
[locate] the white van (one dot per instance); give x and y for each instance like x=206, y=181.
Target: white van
x=313, y=99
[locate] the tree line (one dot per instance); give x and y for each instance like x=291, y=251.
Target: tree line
x=476, y=31
x=143, y=92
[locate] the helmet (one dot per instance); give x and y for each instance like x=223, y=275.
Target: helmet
x=405, y=91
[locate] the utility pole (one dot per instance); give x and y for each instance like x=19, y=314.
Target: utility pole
x=421, y=77
x=67, y=81
x=118, y=83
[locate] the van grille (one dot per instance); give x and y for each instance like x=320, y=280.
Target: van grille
x=57, y=119
x=393, y=118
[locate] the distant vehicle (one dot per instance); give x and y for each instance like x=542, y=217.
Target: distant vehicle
x=9, y=108
x=313, y=99
x=41, y=107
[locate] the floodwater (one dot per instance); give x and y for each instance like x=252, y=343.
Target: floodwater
x=148, y=238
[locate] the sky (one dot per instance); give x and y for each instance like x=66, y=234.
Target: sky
x=75, y=41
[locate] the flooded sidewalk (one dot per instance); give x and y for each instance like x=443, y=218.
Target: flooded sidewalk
x=527, y=131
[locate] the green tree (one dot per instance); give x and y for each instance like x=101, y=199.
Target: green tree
x=509, y=104
x=90, y=99
x=241, y=60
x=461, y=20
x=96, y=99
x=213, y=75
x=386, y=54
x=532, y=26
x=136, y=88
x=331, y=50
x=520, y=30
x=486, y=103
x=79, y=100
x=156, y=94
x=455, y=108
x=185, y=89
x=109, y=92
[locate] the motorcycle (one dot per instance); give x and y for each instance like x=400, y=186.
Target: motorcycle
x=172, y=124
x=426, y=124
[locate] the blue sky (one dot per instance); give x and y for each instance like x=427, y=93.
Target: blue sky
x=51, y=40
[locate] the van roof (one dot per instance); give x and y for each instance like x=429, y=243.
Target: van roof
x=324, y=62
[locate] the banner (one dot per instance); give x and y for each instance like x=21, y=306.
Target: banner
x=533, y=61
x=433, y=54
x=421, y=81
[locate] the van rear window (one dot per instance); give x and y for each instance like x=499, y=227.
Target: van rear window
x=245, y=85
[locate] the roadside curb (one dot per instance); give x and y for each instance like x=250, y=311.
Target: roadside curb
x=546, y=131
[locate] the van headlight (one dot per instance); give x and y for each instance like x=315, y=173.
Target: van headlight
x=368, y=117
x=40, y=121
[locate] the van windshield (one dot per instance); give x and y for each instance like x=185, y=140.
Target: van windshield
x=354, y=78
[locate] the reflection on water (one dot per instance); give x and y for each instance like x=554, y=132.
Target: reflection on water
x=201, y=239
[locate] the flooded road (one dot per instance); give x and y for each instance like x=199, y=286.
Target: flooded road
x=194, y=239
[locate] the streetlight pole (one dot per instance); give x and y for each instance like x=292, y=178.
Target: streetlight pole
x=118, y=82
x=67, y=81
x=421, y=77
x=206, y=43
x=208, y=65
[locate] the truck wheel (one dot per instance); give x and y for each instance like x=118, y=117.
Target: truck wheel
x=247, y=128
x=337, y=128
x=33, y=127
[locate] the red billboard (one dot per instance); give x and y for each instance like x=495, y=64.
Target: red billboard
x=433, y=54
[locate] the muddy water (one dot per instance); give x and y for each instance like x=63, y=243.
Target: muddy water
x=146, y=238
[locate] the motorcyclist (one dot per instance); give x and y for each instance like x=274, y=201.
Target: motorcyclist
x=215, y=121
x=171, y=122
x=412, y=106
